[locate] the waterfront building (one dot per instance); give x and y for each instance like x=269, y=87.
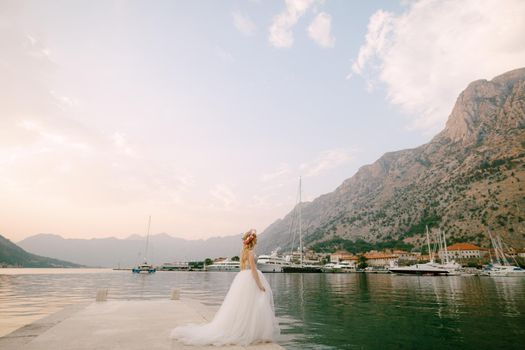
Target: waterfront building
x=310, y=255
x=422, y=257
x=406, y=256
x=174, y=266
x=460, y=251
x=381, y=259
x=342, y=255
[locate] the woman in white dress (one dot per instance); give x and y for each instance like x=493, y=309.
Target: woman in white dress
x=247, y=313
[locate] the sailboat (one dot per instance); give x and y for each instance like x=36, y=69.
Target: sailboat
x=448, y=264
x=501, y=267
x=145, y=267
x=301, y=267
x=429, y=268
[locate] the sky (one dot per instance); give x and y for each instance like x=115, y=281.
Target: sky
x=204, y=114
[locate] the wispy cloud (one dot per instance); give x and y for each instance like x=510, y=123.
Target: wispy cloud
x=121, y=144
x=51, y=137
x=281, y=35
x=320, y=30
x=37, y=49
x=428, y=54
x=244, y=24
x=326, y=161
x=224, y=55
x=63, y=102
x=224, y=195
x=282, y=170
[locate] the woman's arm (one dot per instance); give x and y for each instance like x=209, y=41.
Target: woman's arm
x=254, y=271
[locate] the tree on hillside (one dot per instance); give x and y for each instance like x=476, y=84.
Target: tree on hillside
x=362, y=262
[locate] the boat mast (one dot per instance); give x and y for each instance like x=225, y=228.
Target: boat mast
x=445, y=247
x=495, y=247
x=502, y=252
x=300, y=222
x=428, y=243
x=147, y=241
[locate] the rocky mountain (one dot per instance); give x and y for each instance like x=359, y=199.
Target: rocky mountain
x=12, y=255
x=469, y=177
x=112, y=252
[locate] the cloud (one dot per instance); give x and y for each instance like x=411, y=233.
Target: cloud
x=320, y=30
x=281, y=28
x=224, y=55
x=244, y=23
x=121, y=144
x=282, y=170
x=326, y=161
x=426, y=55
x=49, y=138
x=225, y=196
x=63, y=102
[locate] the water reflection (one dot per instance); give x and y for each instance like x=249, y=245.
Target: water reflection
x=316, y=311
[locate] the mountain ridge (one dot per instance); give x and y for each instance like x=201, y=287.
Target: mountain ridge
x=476, y=162
x=12, y=255
x=112, y=252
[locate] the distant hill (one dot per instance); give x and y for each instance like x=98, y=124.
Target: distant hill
x=12, y=255
x=112, y=252
x=469, y=177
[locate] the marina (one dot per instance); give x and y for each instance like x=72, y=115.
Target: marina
x=321, y=175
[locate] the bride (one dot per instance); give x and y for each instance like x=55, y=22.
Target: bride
x=247, y=313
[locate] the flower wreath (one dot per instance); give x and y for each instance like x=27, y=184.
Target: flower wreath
x=250, y=238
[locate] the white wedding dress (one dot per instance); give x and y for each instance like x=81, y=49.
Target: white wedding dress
x=246, y=316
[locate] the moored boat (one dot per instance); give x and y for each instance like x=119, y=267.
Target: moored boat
x=224, y=265
x=502, y=267
x=145, y=267
x=329, y=267
x=344, y=266
x=428, y=269
x=271, y=263
x=498, y=270
x=301, y=266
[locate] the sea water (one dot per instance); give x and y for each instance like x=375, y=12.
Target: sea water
x=315, y=311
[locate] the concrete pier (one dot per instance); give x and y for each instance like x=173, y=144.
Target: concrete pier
x=115, y=325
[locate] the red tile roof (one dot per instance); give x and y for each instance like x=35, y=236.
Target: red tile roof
x=379, y=256
x=463, y=246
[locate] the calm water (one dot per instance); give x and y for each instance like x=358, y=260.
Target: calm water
x=316, y=311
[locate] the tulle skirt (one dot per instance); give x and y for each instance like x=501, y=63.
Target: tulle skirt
x=246, y=316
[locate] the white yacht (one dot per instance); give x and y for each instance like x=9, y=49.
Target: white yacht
x=429, y=268
x=224, y=265
x=344, y=266
x=497, y=270
x=448, y=264
x=502, y=266
x=329, y=267
x=271, y=263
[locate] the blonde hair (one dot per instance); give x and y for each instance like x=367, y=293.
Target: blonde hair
x=249, y=240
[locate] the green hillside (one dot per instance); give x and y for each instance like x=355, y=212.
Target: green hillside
x=12, y=255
